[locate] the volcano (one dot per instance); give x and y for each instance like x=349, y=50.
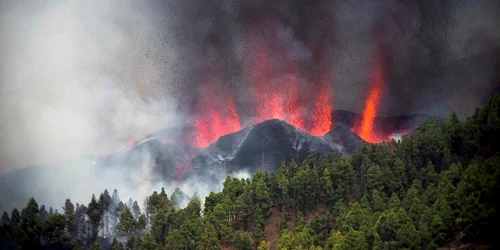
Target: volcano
x=168, y=158
x=262, y=146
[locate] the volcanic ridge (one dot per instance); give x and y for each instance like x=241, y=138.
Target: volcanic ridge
x=262, y=146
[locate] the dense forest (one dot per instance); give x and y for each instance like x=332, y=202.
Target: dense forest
x=436, y=188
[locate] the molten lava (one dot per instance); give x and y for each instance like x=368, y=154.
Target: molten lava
x=269, y=101
x=216, y=118
x=293, y=101
x=277, y=99
x=365, y=128
x=322, y=117
x=322, y=121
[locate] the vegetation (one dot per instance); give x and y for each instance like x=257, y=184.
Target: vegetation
x=432, y=189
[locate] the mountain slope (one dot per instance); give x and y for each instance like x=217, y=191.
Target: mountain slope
x=261, y=146
x=343, y=139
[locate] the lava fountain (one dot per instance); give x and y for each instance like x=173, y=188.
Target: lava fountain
x=322, y=117
x=365, y=128
x=217, y=116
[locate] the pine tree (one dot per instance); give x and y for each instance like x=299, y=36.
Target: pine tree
x=209, y=238
x=221, y=223
x=95, y=213
x=136, y=210
x=264, y=245
x=115, y=245
x=29, y=232
x=71, y=220
x=149, y=243
x=175, y=240
x=44, y=215
x=15, y=218
x=242, y=242
x=127, y=225
x=5, y=219
x=105, y=204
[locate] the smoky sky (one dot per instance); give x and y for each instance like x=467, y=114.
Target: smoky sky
x=440, y=56
x=87, y=76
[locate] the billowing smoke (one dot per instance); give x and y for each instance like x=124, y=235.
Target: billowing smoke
x=91, y=77
x=81, y=78
x=438, y=54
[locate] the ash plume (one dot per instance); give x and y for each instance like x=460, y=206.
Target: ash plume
x=439, y=53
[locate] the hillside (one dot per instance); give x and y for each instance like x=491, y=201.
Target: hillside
x=436, y=188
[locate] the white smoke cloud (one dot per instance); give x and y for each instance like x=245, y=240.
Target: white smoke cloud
x=80, y=76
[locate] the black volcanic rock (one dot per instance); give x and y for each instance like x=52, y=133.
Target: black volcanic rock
x=263, y=145
x=344, y=139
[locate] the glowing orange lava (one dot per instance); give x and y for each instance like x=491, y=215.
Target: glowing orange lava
x=322, y=121
x=365, y=129
x=217, y=117
x=322, y=117
x=269, y=100
x=293, y=101
x=282, y=100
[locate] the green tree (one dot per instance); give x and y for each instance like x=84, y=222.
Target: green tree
x=378, y=201
x=242, y=242
x=286, y=240
x=264, y=245
x=95, y=213
x=438, y=230
x=175, y=240
x=221, y=223
x=71, y=222
x=115, y=245
x=319, y=228
x=54, y=233
x=29, y=231
x=282, y=183
x=354, y=240
x=44, y=215
x=136, y=210
x=127, y=225
x=15, y=218
x=149, y=243
x=259, y=234
x=209, y=238
x=284, y=220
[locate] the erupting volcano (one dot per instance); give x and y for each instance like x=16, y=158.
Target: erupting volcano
x=277, y=92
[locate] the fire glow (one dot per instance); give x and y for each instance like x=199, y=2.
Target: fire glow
x=365, y=127
x=215, y=118
x=217, y=113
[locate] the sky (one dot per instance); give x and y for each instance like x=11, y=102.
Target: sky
x=88, y=77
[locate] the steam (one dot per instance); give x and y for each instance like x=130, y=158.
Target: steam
x=80, y=77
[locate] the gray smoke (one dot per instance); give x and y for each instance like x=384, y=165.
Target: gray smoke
x=441, y=56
